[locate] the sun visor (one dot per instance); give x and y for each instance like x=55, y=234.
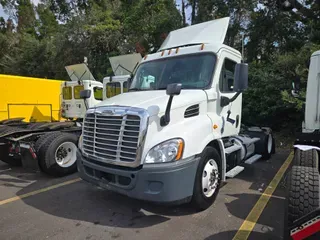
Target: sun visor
x=124, y=64
x=208, y=32
x=78, y=72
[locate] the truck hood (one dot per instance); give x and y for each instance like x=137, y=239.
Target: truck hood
x=155, y=101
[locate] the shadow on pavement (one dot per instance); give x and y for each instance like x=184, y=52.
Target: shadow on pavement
x=83, y=202
x=262, y=172
x=270, y=222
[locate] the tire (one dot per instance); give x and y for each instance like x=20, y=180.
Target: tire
x=265, y=145
x=308, y=158
x=36, y=125
x=4, y=156
x=273, y=151
x=42, y=139
x=48, y=152
x=12, y=161
x=200, y=200
x=9, y=130
x=302, y=192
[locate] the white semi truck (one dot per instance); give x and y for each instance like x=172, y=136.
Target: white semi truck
x=175, y=135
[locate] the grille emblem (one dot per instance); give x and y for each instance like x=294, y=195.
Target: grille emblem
x=106, y=112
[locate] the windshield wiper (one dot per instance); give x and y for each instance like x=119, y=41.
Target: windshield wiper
x=134, y=89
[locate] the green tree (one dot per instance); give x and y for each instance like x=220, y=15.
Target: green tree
x=147, y=22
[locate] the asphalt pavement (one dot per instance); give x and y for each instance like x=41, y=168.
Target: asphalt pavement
x=35, y=206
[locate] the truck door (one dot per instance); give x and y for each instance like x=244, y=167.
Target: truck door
x=78, y=109
x=230, y=114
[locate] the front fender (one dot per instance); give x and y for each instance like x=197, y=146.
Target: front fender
x=196, y=132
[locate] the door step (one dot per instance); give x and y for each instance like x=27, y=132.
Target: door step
x=253, y=159
x=234, y=171
x=232, y=149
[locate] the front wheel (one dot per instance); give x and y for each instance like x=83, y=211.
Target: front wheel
x=207, y=181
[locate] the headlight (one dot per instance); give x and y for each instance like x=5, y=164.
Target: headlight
x=167, y=151
x=80, y=142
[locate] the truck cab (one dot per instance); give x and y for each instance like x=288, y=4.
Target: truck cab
x=122, y=67
x=174, y=136
x=115, y=85
x=72, y=106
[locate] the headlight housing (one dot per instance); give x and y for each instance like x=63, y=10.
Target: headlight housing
x=167, y=151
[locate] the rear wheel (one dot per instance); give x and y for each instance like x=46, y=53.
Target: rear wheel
x=43, y=138
x=58, y=154
x=265, y=146
x=207, y=181
x=35, y=125
x=309, y=158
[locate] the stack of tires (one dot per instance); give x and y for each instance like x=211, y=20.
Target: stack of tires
x=303, y=188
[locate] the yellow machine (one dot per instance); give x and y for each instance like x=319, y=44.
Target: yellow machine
x=35, y=99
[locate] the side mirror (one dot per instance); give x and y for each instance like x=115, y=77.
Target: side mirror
x=174, y=89
x=84, y=94
x=241, y=77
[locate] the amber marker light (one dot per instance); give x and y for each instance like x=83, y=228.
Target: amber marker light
x=180, y=149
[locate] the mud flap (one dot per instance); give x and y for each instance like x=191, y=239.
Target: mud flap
x=29, y=158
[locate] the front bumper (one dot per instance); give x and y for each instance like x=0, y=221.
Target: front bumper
x=162, y=183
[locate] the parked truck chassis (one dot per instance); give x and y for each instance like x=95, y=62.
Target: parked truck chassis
x=36, y=145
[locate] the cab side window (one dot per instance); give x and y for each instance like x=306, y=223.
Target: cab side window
x=113, y=89
x=77, y=90
x=226, y=81
x=97, y=93
x=67, y=93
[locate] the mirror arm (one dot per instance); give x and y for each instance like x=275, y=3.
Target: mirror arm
x=165, y=119
x=235, y=96
x=224, y=101
x=86, y=103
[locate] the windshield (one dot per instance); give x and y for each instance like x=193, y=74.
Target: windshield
x=192, y=71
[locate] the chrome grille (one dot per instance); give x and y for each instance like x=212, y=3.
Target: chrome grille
x=114, y=138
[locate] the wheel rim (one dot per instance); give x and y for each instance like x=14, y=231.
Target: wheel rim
x=210, y=177
x=269, y=143
x=66, y=154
